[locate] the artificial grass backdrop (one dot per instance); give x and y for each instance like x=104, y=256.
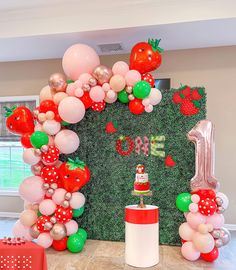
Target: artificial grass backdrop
x=109, y=189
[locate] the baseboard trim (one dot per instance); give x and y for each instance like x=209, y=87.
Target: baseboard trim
x=9, y=215
x=230, y=227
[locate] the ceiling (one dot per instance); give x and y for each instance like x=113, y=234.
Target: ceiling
x=43, y=29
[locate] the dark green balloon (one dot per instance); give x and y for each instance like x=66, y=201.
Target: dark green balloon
x=38, y=139
x=75, y=243
x=69, y=81
x=141, y=89
x=183, y=201
x=39, y=214
x=82, y=233
x=78, y=212
x=123, y=97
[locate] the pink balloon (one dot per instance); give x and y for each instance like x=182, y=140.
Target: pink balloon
x=132, y=76
x=155, y=96
x=117, y=83
x=194, y=219
x=195, y=198
x=79, y=59
x=77, y=200
x=193, y=208
x=46, y=93
x=31, y=189
x=217, y=220
x=59, y=196
x=97, y=94
x=186, y=232
x=47, y=207
x=30, y=157
x=63, y=137
x=71, y=227
x=44, y=240
x=149, y=108
x=59, y=97
x=79, y=92
x=19, y=230
x=186, y=214
x=120, y=68
x=84, y=78
x=189, y=252
x=71, y=110
x=51, y=127
x=28, y=217
x=70, y=90
x=106, y=87
x=204, y=243
x=51, y=140
x=146, y=101
x=38, y=127
x=111, y=97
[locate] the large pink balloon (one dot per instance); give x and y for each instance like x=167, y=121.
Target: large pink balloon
x=71, y=110
x=30, y=157
x=59, y=195
x=47, y=207
x=120, y=68
x=31, y=189
x=217, y=220
x=79, y=59
x=28, y=217
x=186, y=232
x=19, y=230
x=97, y=94
x=189, y=252
x=45, y=240
x=77, y=200
x=204, y=243
x=195, y=219
x=67, y=141
x=132, y=76
x=71, y=227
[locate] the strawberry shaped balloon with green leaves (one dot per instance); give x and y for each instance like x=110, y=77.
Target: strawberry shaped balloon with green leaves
x=74, y=174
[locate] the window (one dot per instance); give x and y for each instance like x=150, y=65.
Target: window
x=12, y=168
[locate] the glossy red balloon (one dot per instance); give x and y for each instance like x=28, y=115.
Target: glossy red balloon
x=25, y=140
x=205, y=193
x=86, y=100
x=47, y=105
x=147, y=77
x=211, y=256
x=60, y=245
x=136, y=106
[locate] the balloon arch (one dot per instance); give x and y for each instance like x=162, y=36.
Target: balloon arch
x=52, y=198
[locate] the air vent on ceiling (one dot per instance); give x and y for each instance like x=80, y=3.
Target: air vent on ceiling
x=111, y=48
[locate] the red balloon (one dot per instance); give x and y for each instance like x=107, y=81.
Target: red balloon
x=183, y=241
x=207, y=207
x=41, y=223
x=25, y=140
x=47, y=105
x=98, y=106
x=86, y=100
x=136, y=106
x=205, y=193
x=60, y=245
x=50, y=174
x=211, y=256
x=148, y=78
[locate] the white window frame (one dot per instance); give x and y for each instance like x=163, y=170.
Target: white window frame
x=15, y=192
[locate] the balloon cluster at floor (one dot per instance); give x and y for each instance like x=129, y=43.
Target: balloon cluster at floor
x=52, y=197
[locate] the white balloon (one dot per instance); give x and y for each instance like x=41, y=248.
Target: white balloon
x=51, y=127
x=155, y=96
x=77, y=200
x=224, y=198
x=67, y=141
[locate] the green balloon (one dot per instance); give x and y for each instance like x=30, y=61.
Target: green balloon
x=78, y=212
x=75, y=243
x=183, y=201
x=39, y=214
x=64, y=123
x=69, y=81
x=141, y=89
x=38, y=139
x=82, y=233
x=123, y=97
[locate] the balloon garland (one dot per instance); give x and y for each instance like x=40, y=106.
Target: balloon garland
x=51, y=197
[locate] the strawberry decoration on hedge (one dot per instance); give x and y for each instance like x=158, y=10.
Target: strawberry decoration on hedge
x=189, y=100
x=111, y=127
x=170, y=161
x=19, y=120
x=74, y=174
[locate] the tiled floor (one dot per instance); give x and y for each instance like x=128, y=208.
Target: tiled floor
x=104, y=255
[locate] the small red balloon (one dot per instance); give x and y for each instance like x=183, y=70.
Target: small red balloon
x=25, y=140
x=60, y=245
x=136, y=106
x=98, y=106
x=211, y=256
x=183, y=241
x=51, y=156
x=40, y=223
x=86, y=100
x=62, y=214
x=207, y=207
x=148, y=78
x=47, y=105
x=50, y=174
x=205, y=193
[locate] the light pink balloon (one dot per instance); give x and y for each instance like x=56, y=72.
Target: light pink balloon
x=51, y=127
x=44, y=240
x=47, y=207
x=132, y=76
x=38, y=127
x=84, y=77
x=195, y=198
x=79, y=59
x=71, y=227
x=146, y=101
x=79, y=92
x=193, y=207
x=120, y=68
x=186, y=214
x=78, y=83
x=46, y=93
x=77, y=200
x=30, y=157
x=67, y=141
x=194, y=219
x=189, y=252
x=28, y=217
x=155, y=96
x=148, y=108
x=50, y=140
x=217, y=220
x=31, y=189
x=106, y=87
x=186, y=232
x=117, y=83
x=59, y=196
x=71, y=110
x=70, y=90
x=96, y=93
x=59, y=97
x=204, y=243
x=19, y=230
x=113, y=96
x=30, y=206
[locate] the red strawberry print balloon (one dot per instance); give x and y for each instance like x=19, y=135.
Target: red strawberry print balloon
x=50, y=174
x=207, y=207
x=51, y=156
x=98, y=106
x=63, y=214
x=148, y=78
x=40, y=223
x=74, y=174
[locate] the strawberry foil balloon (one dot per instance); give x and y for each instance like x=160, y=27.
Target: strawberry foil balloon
x=146, y=56
x=74, y=174
x=19, y=120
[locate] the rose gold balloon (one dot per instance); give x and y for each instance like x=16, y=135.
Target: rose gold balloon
x=92, y=82
x=36, y=169
x=53, y=220
x=34, y=232
x=58, y=231
x=203, y=137
x=57, y=82
x=102, y=74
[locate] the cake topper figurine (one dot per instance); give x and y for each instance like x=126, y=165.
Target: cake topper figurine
x=141, y=185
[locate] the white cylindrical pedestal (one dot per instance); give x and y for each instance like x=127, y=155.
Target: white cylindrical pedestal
x=141, y=235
